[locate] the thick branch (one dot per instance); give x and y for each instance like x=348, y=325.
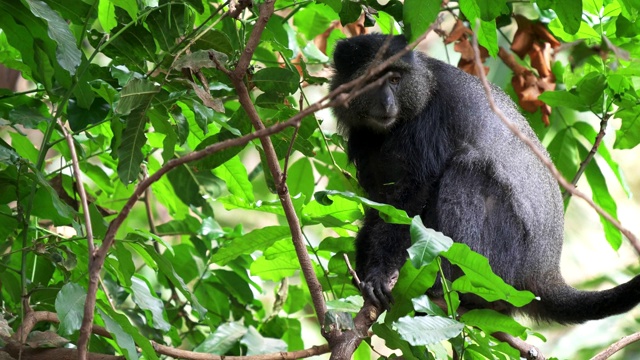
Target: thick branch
x=556, y=174
x=315, y=289
x=34, y=317
x=190, y=355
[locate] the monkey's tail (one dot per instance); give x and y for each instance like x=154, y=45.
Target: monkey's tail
x=564, y=304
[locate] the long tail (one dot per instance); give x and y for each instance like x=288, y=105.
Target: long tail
x=562, y=303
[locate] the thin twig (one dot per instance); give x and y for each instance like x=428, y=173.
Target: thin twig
x=353, y=273
x=80, y=186
x=592, y=153
x=554, y=171
x=617, y=346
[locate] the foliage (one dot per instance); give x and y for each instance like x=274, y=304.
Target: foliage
x=205, y=261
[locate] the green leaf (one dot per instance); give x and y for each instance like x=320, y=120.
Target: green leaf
x=564, y=153
x=300, y=178
x=134, y=46
x=480, y=279
x=314, y=19
x=47, y=205
x=135, y=100
x=24, y=147
x=214, y=40
x=488, y=36
x=570, y=14
x=67, y=52
x=425, y=305
x=168, y=24
x=258, y=239
x=80, y=118
x=338, y=213
x=277, y=262
x=234, y=174
x=149, y=302
x=563, y=98
x=350, y=12
x=591, y=87
x=107, y=15
x=487, y=32
x=593, y=6
x=491, y=9
x=277, y=80
x=412, y=282
x=602, y=197
x=122, y=338
x=387, y=212
x=124, y=333
x=257, y=344
x=491, y=321
x=628, y=136
x=427, y=243
x=418, y=15
x=167, y=269
x=70, y=307
x=426, y=330
x=223, y=339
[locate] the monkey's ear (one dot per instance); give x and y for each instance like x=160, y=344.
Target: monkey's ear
x=356, y=53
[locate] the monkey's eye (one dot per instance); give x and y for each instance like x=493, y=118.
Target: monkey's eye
x=394, y=79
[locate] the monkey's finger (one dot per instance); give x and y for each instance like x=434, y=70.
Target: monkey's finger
x=382, y=298
x=367, y=292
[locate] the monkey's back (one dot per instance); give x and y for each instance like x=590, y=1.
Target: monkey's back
x=520, y=180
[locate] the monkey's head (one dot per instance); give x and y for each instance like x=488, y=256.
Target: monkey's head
x=400, y=97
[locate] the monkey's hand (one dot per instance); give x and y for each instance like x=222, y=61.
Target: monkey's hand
x=377, y=286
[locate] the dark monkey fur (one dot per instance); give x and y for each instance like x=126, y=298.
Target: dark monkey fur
x=427, y=142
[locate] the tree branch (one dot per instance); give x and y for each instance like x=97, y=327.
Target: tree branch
x=554, y=171
x=592, y=153
x=34, y=317
x=617, y=346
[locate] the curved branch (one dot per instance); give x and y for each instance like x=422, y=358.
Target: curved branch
x=617, y=346
x=554, y=171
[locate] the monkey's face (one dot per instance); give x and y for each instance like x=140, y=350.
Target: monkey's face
x=403, y=88
x=377, y=109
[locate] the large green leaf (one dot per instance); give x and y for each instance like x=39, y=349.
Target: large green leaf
x=387, y=212
x=418, y=15
x=427, y=243
x=127, y=336
x=234, y=174
x=67, y=52
x=221, y=340
x=70, y=307
x=149, y=302
x=123, y=339
x=480, y=279
x=277, y=80
x=135, y=100
x=258, y=239
x=570, y=14
x=426, y=330
x=491, y=321
x=602, y=197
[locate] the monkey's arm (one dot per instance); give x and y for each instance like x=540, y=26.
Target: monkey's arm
x=381, y=251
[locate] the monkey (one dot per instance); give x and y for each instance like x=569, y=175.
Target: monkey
x=426, y=141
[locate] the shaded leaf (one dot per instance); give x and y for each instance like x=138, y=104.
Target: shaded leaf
x=70, y=307
x=67, y=52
